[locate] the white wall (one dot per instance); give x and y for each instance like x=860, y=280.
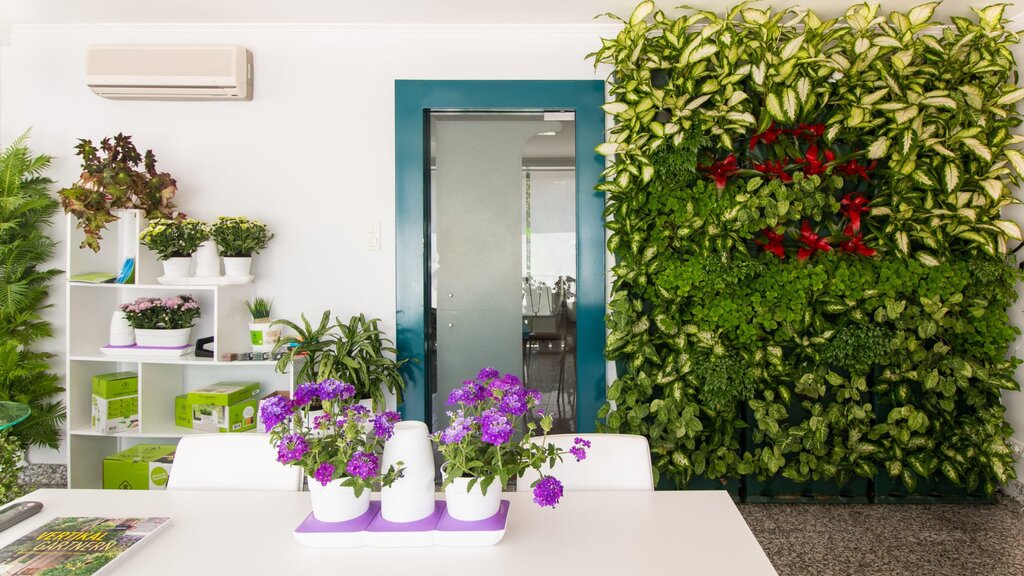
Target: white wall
x=312, y=155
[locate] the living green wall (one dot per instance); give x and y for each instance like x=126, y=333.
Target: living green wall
x=811, y=275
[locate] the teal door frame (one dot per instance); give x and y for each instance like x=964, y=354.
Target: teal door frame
x=414, y=99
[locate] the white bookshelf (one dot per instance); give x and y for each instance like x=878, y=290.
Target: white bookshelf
x=88, y=311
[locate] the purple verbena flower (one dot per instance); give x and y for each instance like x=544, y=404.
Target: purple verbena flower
x=548, y=491
x=487, y=374
x=291, y=448
x=534, y=397
x=494, y=427
x=459, y=427
x=364, y=465
x=322, y=421
x=384, y=424
x=579, y=448
x=275, y=410
x=305, y=393
x=331, y=389
x=324, y=473
x=513, y=403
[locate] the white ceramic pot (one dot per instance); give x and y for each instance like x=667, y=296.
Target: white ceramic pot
x=177, y=270
x=207, y=262
x=263, y=336
x=121, y=332
x=162, y=338
x=336, y=503
x=473, y=505
x=237, y=267
x=411, y=497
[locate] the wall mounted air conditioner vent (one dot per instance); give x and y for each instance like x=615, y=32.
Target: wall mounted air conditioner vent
x=141, y=72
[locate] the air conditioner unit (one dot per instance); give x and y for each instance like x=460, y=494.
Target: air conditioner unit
x=141, y=72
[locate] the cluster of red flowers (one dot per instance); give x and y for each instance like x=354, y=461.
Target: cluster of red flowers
x=814, y=162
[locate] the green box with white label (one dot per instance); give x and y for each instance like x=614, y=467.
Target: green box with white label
x=222, y=407
x=141, y=467
x=182, y=411
x=115, y=402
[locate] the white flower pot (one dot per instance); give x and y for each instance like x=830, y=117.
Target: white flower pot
x=121, y=332
x=162, y=338
x=263, y=336
x=207, y=262
x=410, y=497
x=237, y=267
x=473, y=505
x=336, y=503
x=177, y=270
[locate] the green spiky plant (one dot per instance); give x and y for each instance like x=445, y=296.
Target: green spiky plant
x=26, y=245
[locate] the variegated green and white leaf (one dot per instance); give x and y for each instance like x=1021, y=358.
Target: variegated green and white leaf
x=615, y=108
x=978, y=148
x=607, y=148
x=906, y=115
x=922, y=14
x=1009, y=228
x=923, y=179
x=992, y=187
x=790, y=104
x=803, y=88
x=951, y=175
x=792, y=47
x=873, y=97
x=1010, y=97
x=975, y=98
x=702, y=52
x=879, y=148
x=642, y=11
x=887, y=42
x=1016, y=159
x=927, y=259
x=737, y=97
x=774, y=105
x=940, y=101
x=903, y=242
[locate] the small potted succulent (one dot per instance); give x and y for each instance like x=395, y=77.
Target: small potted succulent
x=238, y=239
x=262, y=334
x=339, y=450
x=116, y=177
x=162, y=322
x=480, y=449
x=174, y=242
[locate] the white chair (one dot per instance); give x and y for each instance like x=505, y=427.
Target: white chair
x=615, y=462
x=240, y=461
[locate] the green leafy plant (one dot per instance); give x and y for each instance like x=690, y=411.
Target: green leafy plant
x=240, y=237
x=259, y=308
x=814, y=208
x=11, y=452
x=356, y=352
x=26, y=246
x=174, y=238
x=116, y=176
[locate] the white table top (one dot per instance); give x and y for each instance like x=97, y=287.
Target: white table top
x=699, y=533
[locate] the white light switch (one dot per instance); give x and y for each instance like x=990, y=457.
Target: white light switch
x=373, y=235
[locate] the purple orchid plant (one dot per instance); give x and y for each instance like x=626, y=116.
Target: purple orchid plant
x=480, y=440
x=343, y=440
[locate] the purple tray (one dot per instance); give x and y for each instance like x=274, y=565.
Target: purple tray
x=312, y=525
x=372, y=521
x=494, y=523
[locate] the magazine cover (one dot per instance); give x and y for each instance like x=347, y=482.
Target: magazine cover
x=76, y=546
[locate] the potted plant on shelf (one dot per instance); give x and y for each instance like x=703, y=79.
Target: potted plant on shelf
x=238, y=239
x=338, y=450
x=174, y=242
x=357, y=352
x=162, y=322
x=262, y=334
x=480, y=450
x=116, y=177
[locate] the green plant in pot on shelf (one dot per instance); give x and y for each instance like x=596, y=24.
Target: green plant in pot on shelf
x=174, y=242
x=116, y=176
x=356, y=352
x=238, y=238
x=26, y=246
x=263, y=335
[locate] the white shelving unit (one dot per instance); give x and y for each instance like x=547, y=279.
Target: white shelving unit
x=88, y=311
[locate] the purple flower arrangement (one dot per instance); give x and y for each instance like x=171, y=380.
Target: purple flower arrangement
x=171, y=313
x=344, y=440
x=482, y=439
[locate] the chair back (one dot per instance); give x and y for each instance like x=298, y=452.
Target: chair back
x=614, y=462
x=240, y=461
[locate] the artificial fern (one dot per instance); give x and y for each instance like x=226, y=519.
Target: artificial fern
x=26, y=211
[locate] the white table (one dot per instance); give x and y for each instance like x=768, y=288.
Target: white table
x=699, y=533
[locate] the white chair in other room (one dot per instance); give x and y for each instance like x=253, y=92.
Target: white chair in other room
x=615, y=462
x=241, y=461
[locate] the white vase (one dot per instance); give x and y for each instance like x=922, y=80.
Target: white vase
x=121, y=332
x=237, y=267
x=207, y=261
x=473, y=505
x=263, y=336
x=159, y=338
x=177, y=270
x=411, y=497
x=336, y=503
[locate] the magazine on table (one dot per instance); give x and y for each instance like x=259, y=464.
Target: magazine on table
x=78, y=546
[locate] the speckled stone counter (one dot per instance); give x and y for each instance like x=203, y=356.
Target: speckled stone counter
x=34, y=476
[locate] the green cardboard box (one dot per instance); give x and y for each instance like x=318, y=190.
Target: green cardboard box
x=238, y=417
x=141, y=467
x=115, y=402
x=224, y=393
x=182, y=411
